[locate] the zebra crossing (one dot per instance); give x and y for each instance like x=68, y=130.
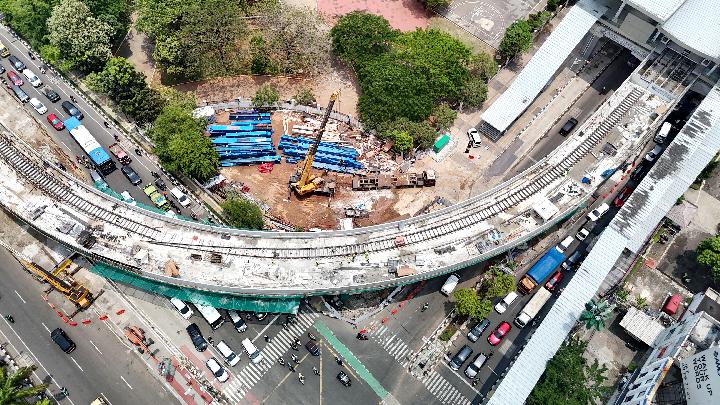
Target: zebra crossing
x=245, y=379
x=438, y=386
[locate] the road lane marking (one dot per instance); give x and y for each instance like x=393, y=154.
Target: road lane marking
x=96, y=348
x=125, y=381
x=45, y=326
x=266, y=327
x=20, y=296
x=76, y=363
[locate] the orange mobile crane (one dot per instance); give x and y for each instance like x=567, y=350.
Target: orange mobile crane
x=303, y=182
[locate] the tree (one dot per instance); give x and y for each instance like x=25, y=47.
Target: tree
x=483, y=66
x=115, y=13
x=265, y=95
x=297, y=42
x=708, y=254
x=82, y=39
x=443, y=116
x=552, y=5
x=181, y=145
x=467, y=302
x=143, y=106
x=499, y=283
x=28, y=18
x=183, y=100
x=474, y=92
x=422, y=133
x=12, y=390
x=359, y=36
x=569, y=379
x=305, y=97
x=517, y=39
x=402, y=140
x=261, y=63
x=435, y=3
x=537, y=20
x=242, y=213
x=595, y=314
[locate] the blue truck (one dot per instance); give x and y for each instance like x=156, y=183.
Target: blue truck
x=541, y=270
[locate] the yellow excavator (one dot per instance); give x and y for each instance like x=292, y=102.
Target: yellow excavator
x=304, y=182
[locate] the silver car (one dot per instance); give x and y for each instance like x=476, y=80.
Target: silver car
x=473, y=368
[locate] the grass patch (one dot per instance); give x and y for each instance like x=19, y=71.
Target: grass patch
x=635, y=268
x=448, y=332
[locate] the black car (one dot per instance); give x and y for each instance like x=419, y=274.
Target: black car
x=197, y=338
x=477, y=330
x=568, y=127
x=344, y=379
x=62, y=340
x=160, y=184
x=131, y=175
x=72, y=110
x=312, y=348
x=639, y=170
x=50, y=94
x=17, y=63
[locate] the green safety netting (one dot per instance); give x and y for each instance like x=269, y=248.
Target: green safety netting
x=287, y=305
x=102, y=186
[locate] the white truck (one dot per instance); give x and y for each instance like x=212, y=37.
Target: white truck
x=532, y=308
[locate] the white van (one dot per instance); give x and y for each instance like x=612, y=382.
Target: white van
x=252, y=351
x=662, y=134
x=180, y=196
x=475, y=138
x=32, y=78
x=503, y=305
x=237, y=321
x=228, y=354
x=562, y=246
x=450, y=284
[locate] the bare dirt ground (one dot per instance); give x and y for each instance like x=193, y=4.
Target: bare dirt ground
x=405, y=15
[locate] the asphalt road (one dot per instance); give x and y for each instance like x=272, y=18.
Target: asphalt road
x=99, y=365
x=93, y=121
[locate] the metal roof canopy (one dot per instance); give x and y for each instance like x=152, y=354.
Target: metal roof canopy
x=691, y=150
x=696, y=25
x=543, y=65
x=641, y=326
x=659, y=10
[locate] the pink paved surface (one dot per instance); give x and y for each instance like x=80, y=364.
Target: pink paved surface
x=405, y=15
x=200, y=365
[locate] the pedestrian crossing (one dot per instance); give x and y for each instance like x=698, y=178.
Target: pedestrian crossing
x=245, y=379
x=438, y=386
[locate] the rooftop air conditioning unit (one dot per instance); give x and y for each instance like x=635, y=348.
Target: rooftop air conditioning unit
x=705, y=62
x=664, y=40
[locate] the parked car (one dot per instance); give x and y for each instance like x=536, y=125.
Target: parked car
x=584, y=231
x=15, y=78
x=473, y=368
x=503, y=305
x=32, y=78
x=237, y=321
x=623, y=196
x=654, y=153
x=461, y=357
x=449, y=286
x=17, y=63
x=260, y=315
x=184, y=309
x=216, y=369
x=344, y=379
x=573, y=260
x=598, y=212
x=554, y=281
x=312, y=348
x=565, y=244
x=55, y=122
x=38, y=106
x=639, y=170
x=498, y=334
x=70, y=109
x=229, y=355
x=50, y=94
x=477, y=330
x=474, y=136
x=197, y=338
x=568, y=127
x=131, y=175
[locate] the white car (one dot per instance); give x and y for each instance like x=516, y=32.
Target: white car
x=182, y=307
x=654, y=153
x=582, y=233
x=474, y=136
x=229, y=355
x=32, y=78
x=503, y=305
x=180, y=196
x=598, y=212
x=217, y=370
x=38, y=106
x=128, y=199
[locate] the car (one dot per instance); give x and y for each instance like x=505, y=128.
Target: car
x=62, y=340
x=449, y=286
x=260, y=315
x=70, y=109
x=38, y=106
x=654, y=153
x=554, y=281
x=477, y=330
x=17, y=63
x=197, y=338
x=15, y=78
x=181, y=306
x=216, y=369
x=2, y=69
x=598, y=212
x=55, y=121
x=312, y=348
x=131, y=175
x=344, y=379
x=128, y=199
x=237, y=321
x=473, y=368
x=623, y=196
x=583, y=233
x=180, y=196
x=460, y=357
x=639, y=170
x=474, y=136
x=498, y=334
x=568, y=127
x=565, y=244
x=50, y=94
x=32, y=78
x=229, y=355
x=573, y=260
x=160, y=184
x=503, y=305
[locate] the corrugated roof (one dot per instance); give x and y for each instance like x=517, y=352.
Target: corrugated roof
x=691, y=150
x=696, y=25
x=543, y=65
x=641, y=325
x=659, y=10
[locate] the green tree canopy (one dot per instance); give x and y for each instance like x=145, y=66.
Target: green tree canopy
x=443, y=116
x=242, y=213
x=115, y=13
x=474, y=92
x=359, y=36
x=483, y=66
x=499, y=284
x=422, y=133
x=28, y=17
x=265, y=95
x=305, y=97
x=596, y=313
x=467, y=302
x=403, y=142
x=82, y=39
x=12, y=390
x=181, y=145
x=708, y=254
x=435, y=3
x=569, y=379
x=517, y=39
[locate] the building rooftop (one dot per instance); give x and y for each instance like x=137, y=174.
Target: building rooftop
x=696, y=25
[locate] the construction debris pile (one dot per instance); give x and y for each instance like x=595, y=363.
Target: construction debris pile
x=246, y=140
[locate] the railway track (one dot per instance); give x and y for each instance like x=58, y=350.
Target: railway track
x=386, y=237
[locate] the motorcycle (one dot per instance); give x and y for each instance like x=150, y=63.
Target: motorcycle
x=425, y=307
x=105, y=123
x=301, y=378
x=311, y=336
x=362, y=336
x=138, y=151
x=9, y=318
x=294, y=347
x=295, y=358
x=338, y=360
x=316, y=371
x=281, y=361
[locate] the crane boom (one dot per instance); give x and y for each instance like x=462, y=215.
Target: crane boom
x=305, y=185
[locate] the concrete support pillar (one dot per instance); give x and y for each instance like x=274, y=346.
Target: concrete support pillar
x=617, y=15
